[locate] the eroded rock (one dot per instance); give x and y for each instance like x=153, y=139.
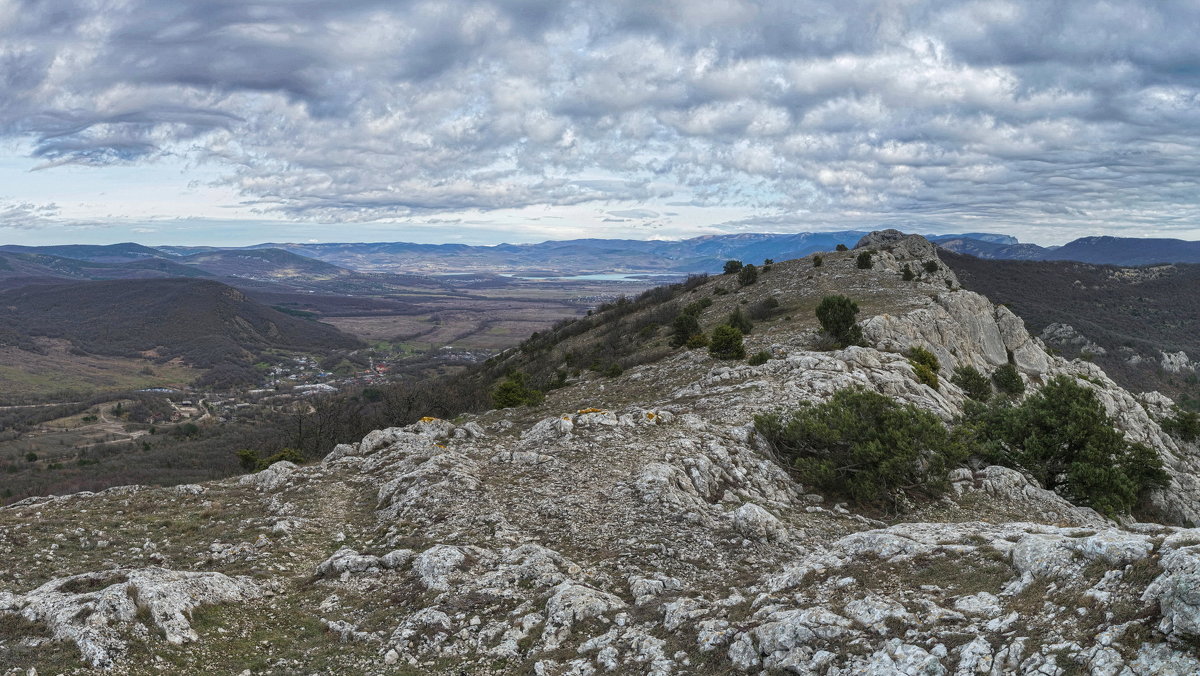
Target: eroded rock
x=93, y=609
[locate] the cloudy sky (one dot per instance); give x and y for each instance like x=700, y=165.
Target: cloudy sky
x=240, y=121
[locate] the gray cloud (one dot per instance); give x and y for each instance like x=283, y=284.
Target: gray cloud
x=634, y=213
x=26, y=215
x=996, y=113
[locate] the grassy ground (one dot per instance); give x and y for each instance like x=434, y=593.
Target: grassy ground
x=26, y=374
x=281, y=633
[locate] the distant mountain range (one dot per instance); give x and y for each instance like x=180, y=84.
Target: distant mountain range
x=346, y=262
x=566, y=257
x=97, y=253
x=995, y=250
x=250, y=268
x=582, y=256
x=706, y=254
x=1127, y=251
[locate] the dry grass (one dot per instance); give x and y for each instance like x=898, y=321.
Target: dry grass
x=957, y=575
x=27, y=374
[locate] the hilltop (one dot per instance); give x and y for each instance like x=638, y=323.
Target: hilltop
x=264, y=264
x=994, y=250
x=637, y=520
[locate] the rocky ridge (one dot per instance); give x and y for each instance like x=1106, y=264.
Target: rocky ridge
x=636, y=525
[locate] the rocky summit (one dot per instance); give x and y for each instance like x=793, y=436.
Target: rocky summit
x=636, y=524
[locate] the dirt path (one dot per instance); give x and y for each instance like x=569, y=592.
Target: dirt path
x=57, y=403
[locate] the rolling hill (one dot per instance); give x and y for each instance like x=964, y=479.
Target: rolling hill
x=1127, y=251
x=21, y=268
x=280, y=267
x=96, y=253
x=582, y=256
x=202, y=322
x=264, y=264
x=258, y=270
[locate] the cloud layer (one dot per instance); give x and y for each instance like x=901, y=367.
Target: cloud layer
x=973, y=115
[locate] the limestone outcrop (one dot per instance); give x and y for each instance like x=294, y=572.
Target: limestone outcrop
x=92, y=609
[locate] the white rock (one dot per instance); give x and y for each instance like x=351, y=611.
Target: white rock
x=347, y=560
x=1159, y=659
x=270, y=478
x=755, y=522
x=982, y=603
x=435, y=565
x=876, y=613
x=397, y=558
x=897, y=657
x=571, y=603
x=743, y=654
x=974, y=658
x=1177, y=362
x=340, y=451
x=1177, y=591
x=90, y=609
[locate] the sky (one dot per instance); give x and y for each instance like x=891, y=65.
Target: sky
x=243, y=121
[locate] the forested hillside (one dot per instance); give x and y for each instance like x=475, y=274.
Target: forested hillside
x=202, y=322
x=1133, y=314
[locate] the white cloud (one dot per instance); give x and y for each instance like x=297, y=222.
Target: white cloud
x=1059, y=116
x=26, y=215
